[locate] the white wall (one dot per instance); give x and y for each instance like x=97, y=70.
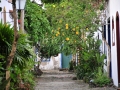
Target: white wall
x=114, y=7
x=54, y=63
x=0, y=11
x=8, y=6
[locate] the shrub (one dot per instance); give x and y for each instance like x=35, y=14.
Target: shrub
x=71, y=65
x=102, y=80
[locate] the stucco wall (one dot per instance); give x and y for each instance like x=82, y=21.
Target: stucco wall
x=114, y=7
x=8, y=6
x=54, y=63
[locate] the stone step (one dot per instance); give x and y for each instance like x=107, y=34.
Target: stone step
x=55, y=72
x=57, y=76
x=52, y=79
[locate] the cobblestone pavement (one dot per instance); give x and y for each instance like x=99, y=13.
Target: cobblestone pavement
x=62, y=80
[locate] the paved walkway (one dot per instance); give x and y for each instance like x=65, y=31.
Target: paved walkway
x=62, y=80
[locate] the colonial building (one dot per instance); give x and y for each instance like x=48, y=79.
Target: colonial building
x=111, y=34
x=6, y=12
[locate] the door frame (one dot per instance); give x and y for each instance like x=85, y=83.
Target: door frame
x=118, y=46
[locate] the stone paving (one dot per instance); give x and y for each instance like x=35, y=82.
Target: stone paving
x=62, y=80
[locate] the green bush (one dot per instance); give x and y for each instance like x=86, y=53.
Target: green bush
x=22, y=64
x=71, y=65
x=51, y=1
x=102, y=80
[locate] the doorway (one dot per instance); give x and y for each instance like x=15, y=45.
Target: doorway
x=65, y=60
x=118, y=46
x=109, y=42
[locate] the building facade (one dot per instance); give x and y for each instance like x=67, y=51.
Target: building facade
x=6, y=12
x=111, y=33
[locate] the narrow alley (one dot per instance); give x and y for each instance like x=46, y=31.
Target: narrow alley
x=62, y=80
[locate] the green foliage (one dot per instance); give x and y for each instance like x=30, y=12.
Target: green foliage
x=69, y=20
x=25, y=75
x=89, y=56
x=6, y=38
x=71, y=65
x=100, y=58
x=4, y=83
x=24, y=51
x=49, y=50
x=6, y=34
x=2, y=74
x=23, y=63
x=101, y=6
x=101, y=79
x=36, y=23
x=62, y=28
x=51, y=1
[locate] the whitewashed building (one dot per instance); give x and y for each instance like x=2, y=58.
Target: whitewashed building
x=111, y=29
x=6, y=12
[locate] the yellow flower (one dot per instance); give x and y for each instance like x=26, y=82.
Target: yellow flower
x=86, y=28
x=59, y=28
x=66, y=26
x=77, y=27
x=73, y=29
x=75, y=41
x=67, y=39
x=86, y=11
x=56, y=34
x=54, y=6
x=77, y=32
x=60, y=21
x=63, y=34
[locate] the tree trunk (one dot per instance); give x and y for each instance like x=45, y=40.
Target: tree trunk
x=22, y=21
x=14, y=46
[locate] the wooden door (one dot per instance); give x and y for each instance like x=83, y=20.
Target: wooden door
x=66, y=60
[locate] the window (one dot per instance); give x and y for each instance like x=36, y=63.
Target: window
x=104, y=28
x=0, y=9
x=113, y=33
